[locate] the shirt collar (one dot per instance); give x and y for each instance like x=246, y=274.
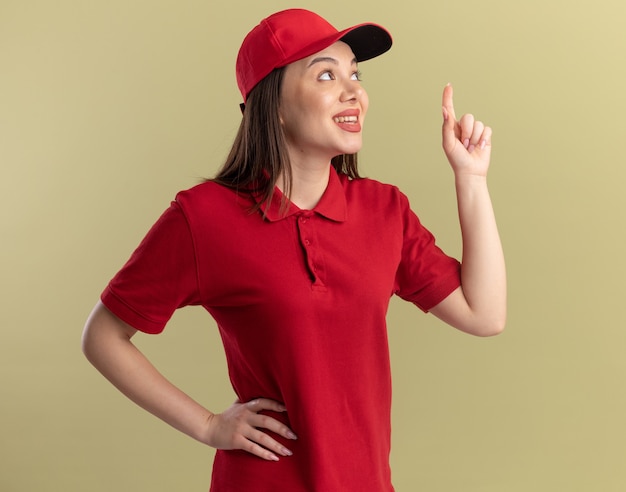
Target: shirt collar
x=332, y=205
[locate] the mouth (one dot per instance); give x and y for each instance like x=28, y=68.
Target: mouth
x=348, y=120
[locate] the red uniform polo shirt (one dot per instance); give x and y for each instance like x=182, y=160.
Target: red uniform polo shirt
x=300, y=301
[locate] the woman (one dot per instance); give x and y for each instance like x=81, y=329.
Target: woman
x=295, y=257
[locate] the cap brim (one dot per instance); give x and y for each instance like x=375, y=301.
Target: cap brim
x=367, y=40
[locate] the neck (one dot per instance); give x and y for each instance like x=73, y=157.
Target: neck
x=308, y=183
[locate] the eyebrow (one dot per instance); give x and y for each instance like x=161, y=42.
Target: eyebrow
x=329, y=59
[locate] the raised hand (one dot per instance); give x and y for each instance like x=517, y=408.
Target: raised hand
x=466, y=142
x=239, y=427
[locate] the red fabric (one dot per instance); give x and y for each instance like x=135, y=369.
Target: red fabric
x=300, y=301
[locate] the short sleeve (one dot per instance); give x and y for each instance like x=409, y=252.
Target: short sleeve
x=160, y=276
x=426, y=275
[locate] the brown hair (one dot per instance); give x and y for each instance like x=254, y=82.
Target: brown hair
x=259, y=152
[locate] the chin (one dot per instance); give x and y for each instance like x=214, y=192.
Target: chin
x=351, y=149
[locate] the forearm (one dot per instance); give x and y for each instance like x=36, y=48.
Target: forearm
x=107, y=345
x=483, y=275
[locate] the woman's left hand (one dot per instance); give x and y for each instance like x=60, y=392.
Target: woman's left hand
x=466, y=142
x=478, y=306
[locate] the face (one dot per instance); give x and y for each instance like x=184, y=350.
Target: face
x=322, y=105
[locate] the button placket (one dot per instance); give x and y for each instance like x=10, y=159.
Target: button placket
x=308, y=240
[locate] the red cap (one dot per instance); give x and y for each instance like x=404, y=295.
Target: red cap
x=290, y=35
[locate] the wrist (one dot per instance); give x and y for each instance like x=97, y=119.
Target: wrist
x=206, y=429
x=470, y=180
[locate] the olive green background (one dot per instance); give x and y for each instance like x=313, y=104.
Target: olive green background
x=108, y=108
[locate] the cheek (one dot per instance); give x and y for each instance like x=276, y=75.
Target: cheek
x=295, y=110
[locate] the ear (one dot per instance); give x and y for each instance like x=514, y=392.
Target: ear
x=280, y=117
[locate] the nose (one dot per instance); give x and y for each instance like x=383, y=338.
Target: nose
x=352, y=91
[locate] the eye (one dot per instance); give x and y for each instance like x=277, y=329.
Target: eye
x=327, y=75
x=357, y=75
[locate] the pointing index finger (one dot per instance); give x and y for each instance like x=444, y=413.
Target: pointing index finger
x=448, y=105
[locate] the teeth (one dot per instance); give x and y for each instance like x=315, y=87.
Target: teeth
x=346, y=119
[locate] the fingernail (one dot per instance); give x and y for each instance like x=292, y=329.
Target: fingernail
x=471, y=148
x=466, y=143
x=286, y=452
x=291, y=435
x=482, y=144
x=445, y=114
x=273, y=457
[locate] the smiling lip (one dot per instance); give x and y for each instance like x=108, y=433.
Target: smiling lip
x=348, y=120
